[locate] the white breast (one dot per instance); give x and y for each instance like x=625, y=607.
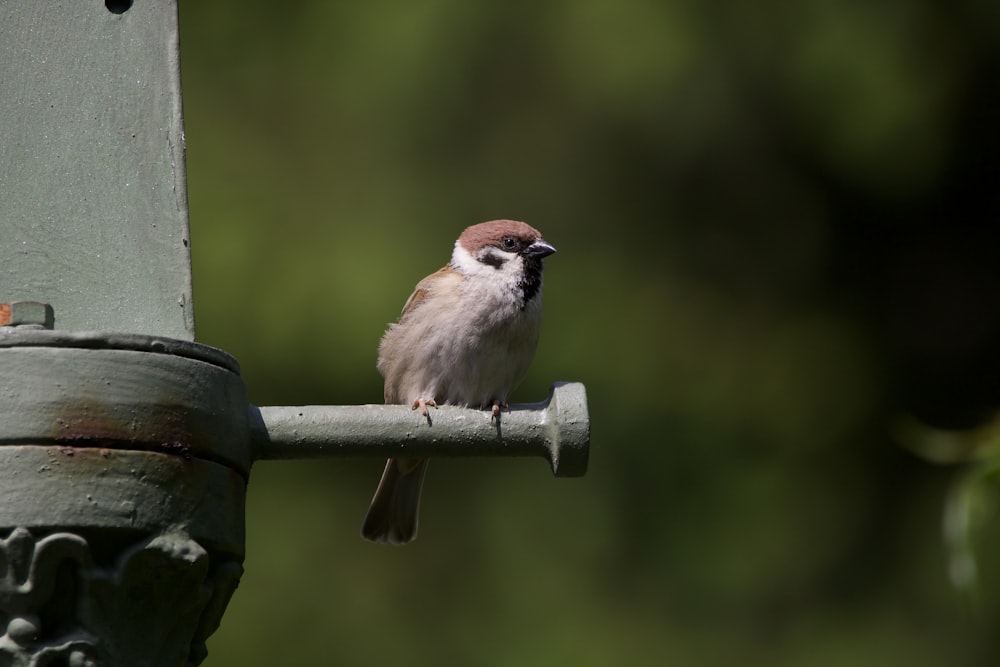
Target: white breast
x=468, y=342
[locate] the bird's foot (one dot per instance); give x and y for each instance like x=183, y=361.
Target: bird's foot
x=423, y=405
x=497, y=406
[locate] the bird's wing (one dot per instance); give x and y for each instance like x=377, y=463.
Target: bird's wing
x=424, y=288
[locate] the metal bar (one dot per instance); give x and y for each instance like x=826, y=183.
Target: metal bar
x=557, y=429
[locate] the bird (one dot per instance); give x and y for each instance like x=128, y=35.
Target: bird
x=465, y=337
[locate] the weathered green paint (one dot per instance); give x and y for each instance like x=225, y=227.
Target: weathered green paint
x=115, y=491
x=94, y=217
x=123, y=463
x=123, y=392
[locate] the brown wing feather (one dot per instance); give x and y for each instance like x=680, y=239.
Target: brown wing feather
x=421, y=291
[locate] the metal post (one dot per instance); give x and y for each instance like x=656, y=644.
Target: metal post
x=92, y=178
x=125, y=447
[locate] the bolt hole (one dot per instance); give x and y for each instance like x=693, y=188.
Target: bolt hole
x=118, y=6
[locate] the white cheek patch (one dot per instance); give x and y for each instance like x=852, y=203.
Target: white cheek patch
x=491, y=262
x=465, y=263
x=499, y=280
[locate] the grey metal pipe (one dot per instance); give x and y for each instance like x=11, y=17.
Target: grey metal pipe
x=557, y=429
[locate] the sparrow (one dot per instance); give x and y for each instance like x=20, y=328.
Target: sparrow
x=466, y=337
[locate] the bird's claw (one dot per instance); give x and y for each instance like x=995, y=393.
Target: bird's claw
x=422, y=404
x=497, y=406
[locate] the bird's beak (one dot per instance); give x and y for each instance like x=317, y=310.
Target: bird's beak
x=538, y=249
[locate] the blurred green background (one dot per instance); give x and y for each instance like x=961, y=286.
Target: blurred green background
x=777, y=232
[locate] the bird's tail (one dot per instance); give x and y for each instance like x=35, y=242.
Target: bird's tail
x=392, y=516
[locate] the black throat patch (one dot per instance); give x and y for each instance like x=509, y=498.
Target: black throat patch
x=532, y=281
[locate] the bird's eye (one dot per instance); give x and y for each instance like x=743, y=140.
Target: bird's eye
x=508, y=243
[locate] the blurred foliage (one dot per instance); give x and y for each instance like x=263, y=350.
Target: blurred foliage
x=770, y=222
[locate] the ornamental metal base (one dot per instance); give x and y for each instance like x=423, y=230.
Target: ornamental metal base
x=121, y=515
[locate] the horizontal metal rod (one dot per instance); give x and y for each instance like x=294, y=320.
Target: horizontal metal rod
x=557, y=429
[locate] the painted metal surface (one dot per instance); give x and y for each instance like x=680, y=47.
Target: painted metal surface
x=92, y=175
x=123, y=464
x=123, y=392
x=557, y=429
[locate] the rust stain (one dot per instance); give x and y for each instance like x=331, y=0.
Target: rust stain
x=88, y=420
x=93, y=424
x=4, y=314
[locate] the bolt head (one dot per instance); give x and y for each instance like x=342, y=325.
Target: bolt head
x=28, y=314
